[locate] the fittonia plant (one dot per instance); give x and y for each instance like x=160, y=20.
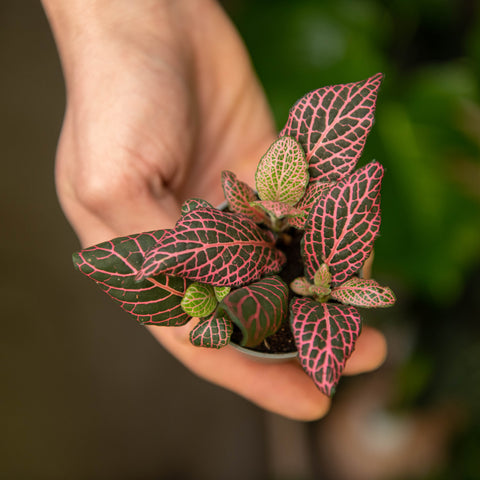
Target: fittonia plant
x=228, y=267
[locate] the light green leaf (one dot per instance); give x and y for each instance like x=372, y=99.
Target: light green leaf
x=199, y=300
x=322, y=277
x=301, y=286
x=282, y=173
x=221, y=292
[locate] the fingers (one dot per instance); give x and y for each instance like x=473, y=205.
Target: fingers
x=370, y=352
x=102, y=206
x=282, y=388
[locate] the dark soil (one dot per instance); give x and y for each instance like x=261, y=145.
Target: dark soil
x=280, y=342
x=289, y=244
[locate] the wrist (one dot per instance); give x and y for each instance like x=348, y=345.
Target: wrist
x=83, y=27
x=75, y=24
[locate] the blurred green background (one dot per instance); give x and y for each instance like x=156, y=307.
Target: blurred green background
x=428, y=120
x=427, y=135
x=89, y=395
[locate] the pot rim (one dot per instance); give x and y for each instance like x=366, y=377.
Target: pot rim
x=264, y=355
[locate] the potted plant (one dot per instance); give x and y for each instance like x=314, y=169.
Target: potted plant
x=279, y=268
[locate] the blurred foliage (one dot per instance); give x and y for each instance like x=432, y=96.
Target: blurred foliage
x=427, y=135
x=427, y=132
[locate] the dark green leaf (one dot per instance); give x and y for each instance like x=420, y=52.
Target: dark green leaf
x=257, y=309
x=212, y=332
x=113, y=265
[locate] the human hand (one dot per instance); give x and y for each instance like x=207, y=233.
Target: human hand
x=161, y=97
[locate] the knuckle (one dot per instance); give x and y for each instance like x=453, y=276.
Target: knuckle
x=101, y=179
x=99, y=191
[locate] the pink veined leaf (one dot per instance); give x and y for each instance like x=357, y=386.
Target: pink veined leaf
x=364, y=293
x=257, y=309
x=320, y=292
x=342, y=226
x=296, y=222
x=239, y=197
x=279, y=209
x=212, y=332
x=313, y=193
x=325, y=335
x=214, y=247
x=332, y=124
x=113, y=265
x=194, y=203
x=282, y=173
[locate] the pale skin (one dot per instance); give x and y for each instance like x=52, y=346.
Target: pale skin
x=161, y=97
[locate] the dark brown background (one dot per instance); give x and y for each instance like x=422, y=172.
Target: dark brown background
x=85, y=393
